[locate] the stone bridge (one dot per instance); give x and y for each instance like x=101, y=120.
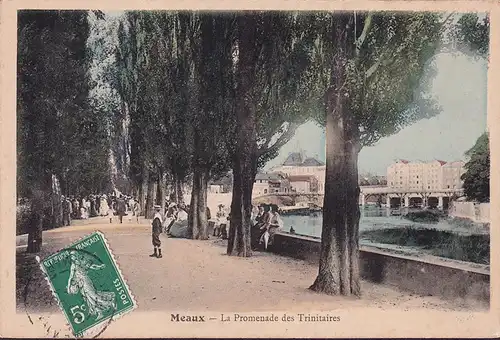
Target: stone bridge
x=398, y=197
x=393, y=197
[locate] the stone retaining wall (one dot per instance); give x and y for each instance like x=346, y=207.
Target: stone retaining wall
x=425, y=276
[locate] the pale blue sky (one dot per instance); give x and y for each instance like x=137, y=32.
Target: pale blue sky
x=460, y=88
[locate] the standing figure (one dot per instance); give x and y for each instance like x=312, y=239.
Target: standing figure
x=67, y=211
x=98, y=205
x=76, y=208
x=156, y=231
x=137, y=210
x=110, y=214
x=104, y=206
x=121, y=208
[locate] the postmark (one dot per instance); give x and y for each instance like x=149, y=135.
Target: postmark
x=88, y=285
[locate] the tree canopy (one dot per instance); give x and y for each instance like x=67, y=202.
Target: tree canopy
x=477, y=175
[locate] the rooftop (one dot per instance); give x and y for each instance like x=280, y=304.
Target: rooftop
x=301, y=178
x=273, y=176
x=296, y=159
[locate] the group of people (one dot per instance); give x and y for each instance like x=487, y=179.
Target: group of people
x=173, y=221
x=99, y=205
x=267, y=222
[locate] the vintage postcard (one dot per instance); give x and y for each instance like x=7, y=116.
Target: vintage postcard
x=253, y=170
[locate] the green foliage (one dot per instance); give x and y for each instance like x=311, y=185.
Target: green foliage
x=473, y=32
x=387, y=71
x=58, y=134
x=477, y=175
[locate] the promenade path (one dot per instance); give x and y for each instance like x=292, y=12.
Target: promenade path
x=199, y=276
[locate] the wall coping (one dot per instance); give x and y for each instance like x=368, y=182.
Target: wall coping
x=429, y=259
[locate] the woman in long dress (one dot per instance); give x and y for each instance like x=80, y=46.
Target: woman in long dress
x=104, y=206
x=79, y=282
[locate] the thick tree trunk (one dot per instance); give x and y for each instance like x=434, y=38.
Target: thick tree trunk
x=244, y=167
x=198, y=224
x=235, y=221
x=35, y=233
x=151, y=198
x=38, y=205
x=339, y=267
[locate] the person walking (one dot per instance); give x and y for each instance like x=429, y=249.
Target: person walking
x=137, y=209
x=156, y=226
x=110, y=214
x=121, y=208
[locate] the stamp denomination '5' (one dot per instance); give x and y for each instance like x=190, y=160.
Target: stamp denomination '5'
x=88, y=284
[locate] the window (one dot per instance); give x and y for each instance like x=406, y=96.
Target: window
x=265, y=191
x=448, y=186
x=417, y=181
x=429, y=187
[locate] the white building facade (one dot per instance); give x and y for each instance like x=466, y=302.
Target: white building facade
x=425, y=176
x=270, y=183
x=297, y=164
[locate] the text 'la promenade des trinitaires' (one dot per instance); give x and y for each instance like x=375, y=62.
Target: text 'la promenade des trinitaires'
x=300, y=317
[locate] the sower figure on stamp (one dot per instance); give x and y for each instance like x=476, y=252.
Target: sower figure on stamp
x=157, y=229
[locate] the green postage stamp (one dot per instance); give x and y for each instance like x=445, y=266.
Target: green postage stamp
x=88, y=284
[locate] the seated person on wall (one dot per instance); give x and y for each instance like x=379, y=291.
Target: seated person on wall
x=224, y=228
x=275, y=224
x=220, y=220
x=262, y=228
x=255, y=232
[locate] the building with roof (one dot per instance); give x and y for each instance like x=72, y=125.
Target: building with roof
x=425, y=176
x=297, y=164
x=304, y=183
x=269, y=183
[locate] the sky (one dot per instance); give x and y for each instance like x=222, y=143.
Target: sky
x=460, y=88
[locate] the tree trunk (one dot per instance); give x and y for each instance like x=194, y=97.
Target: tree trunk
x=244, y=167
x=38, y=205
x=198, y=224
x=339, y=266
x=57, y=213
x=151, y=198
x=142, y=192
x=163, y=191
x=178, y=190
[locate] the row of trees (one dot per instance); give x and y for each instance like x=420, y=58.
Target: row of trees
x=204, y=93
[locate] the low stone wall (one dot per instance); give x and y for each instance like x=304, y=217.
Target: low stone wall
x=477, y=212
x=430, y=276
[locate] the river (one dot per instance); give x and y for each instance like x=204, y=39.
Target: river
x=375, y=218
